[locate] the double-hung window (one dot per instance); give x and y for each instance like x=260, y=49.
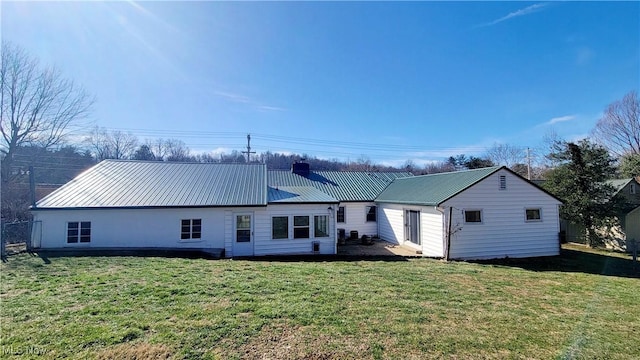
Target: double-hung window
x=300, y=227
x=191, y=229
x=371, y=213
x=78, y=232
x=340, y=216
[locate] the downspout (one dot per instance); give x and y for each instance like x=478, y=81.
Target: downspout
x=446, y=256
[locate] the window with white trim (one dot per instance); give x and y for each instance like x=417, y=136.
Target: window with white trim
x=280, y=227
x=473, y=216
x=78, y=232
x=320, y=226
x=371, y=214
x=533, y=214
x=340, y=215
x=191, y=229
x=300, y=227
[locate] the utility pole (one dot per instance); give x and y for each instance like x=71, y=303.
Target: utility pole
x=248, y=152
x=528, y=164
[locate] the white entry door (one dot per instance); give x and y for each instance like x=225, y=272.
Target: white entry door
x=243, y=234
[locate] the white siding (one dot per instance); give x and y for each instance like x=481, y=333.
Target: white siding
x=431, y=225
x=140, y=228
x=503, y=231
x=391, y=227
x=356, y=219
x=391, y=223
x=265, y=245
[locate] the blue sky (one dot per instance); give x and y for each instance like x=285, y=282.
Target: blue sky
x=389, y=81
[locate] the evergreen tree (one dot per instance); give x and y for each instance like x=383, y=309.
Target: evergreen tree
x=580, y=182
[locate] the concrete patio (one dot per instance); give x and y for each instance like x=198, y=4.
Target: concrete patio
x=376, y=248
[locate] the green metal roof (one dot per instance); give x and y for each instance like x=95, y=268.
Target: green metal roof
x=619, y=184
x=118, y=183
x=432, y=189
x=298, y=194
x=340, y=185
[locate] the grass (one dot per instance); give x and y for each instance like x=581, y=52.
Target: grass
x=581, y=305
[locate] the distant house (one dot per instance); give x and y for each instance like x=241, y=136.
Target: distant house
x=626, y=225
x=246, y=210
x=475, y=214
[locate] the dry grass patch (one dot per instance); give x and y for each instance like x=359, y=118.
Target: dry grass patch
x=139, y=351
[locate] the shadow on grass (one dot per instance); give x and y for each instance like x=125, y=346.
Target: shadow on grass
x=46, y=255
x=571, y=260
x=325, y=258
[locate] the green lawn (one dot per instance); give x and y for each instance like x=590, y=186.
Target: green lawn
x=582, y=305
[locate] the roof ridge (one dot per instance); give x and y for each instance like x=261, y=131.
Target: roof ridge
x=175, y=162
x=488, y=168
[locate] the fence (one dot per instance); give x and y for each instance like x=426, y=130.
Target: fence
x=18, y=232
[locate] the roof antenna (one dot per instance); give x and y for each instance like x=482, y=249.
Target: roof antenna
x=248, y=152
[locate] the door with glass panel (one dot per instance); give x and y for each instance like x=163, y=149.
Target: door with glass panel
x=243, y=234
x=412, y=226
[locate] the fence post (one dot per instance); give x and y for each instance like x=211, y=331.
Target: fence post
x=3, y=250
x=634, y=250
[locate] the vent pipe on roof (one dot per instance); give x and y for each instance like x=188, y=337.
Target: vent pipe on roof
x=300, y=168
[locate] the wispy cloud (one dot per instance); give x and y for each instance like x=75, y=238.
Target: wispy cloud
x=521, y=12
x=233, y=97
x=270, y=108
x=241, y=99
x=560, y=119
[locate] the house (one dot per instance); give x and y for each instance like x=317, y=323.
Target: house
x=475, y=214
x=625, y=226
x=223, y=208
x=246, y=210
x=231, y=209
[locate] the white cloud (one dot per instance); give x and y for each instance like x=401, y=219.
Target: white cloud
x=233, y=97
x=270, y=108
x=560, y=119
x=521, y=12
x=241, y=99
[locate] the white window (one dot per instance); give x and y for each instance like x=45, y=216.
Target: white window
x=371, y=214
x=503, y=182
x=473, y=216
x=533, y=214
x=191, y=229
x=340, y=215
x=280, y=227
x=78, y=232
x=300, y=227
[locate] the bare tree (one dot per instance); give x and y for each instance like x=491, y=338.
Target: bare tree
x=112, y=145
x=619, y=127
x=507, y=155
x=176, y=150
x=37, y=105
